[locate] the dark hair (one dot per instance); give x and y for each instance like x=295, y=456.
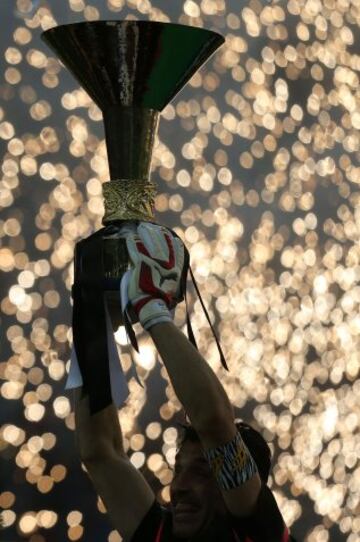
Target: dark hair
x=255, y=442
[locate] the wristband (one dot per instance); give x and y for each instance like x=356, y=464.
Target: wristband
x=231, y=463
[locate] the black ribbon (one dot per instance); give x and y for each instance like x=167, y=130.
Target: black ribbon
x=89, y=322
x=190, y=332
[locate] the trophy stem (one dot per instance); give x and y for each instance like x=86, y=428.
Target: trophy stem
x=130, y=135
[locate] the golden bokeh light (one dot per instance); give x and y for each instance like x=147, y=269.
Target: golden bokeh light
x=256, y=165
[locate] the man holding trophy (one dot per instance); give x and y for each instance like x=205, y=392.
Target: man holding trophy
x=134, y=270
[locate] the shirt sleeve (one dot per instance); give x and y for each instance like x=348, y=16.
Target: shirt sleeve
x=265, y=522
x=150, y=525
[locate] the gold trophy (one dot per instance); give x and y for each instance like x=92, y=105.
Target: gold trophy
x=132, y=70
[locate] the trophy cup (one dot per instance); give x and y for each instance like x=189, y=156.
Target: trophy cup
x=131, y=70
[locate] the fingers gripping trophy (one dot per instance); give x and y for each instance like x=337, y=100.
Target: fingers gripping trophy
x=133, y=268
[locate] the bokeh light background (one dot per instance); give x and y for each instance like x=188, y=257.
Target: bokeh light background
x=257, y=166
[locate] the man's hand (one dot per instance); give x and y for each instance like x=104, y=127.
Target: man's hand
x=158, y=266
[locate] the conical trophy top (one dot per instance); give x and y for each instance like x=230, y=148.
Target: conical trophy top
x=132, y=63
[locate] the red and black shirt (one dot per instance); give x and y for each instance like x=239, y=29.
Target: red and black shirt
x=265, y=524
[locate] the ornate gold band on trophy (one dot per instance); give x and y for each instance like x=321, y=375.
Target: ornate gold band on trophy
x=129, y=200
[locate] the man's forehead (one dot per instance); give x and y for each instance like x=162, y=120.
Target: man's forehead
x=190, y=452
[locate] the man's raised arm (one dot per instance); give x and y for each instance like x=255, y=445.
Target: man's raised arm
x=96, y=434
x=195, y=383
x=159, y=263
x=124, y=491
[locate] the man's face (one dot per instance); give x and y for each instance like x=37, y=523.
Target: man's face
x=194, y=494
